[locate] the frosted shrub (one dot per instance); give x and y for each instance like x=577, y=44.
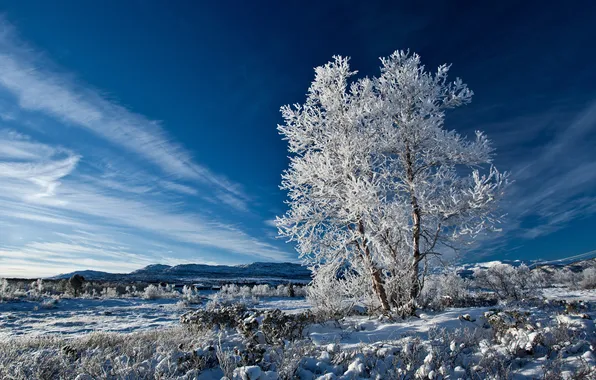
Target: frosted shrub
x=6, y=292
x=244, y=292
x=131, y=290
x=104, y=355
x=335, y=294
x=444, y=290
x=588, y=280
x=568, y=277
x=542, y=278
x=190, y=295
x=261, y=290
x=507, y=282
x=231, y=291
x=152, y=292
x=36, y=290
x=109, y=293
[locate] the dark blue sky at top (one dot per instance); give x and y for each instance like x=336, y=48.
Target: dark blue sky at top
x=216, y=72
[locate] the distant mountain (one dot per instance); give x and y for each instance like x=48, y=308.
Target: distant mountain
x=90, y=275
x=575, y=263
x=277, y=273
x=208, y=274
x=154, y=268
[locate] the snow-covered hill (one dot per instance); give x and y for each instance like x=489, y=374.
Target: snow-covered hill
x=575, y=263
x=255, y=272
x=276, y=273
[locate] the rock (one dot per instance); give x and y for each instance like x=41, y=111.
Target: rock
x=309, y=364
x=459, y=372
x=259, y=337
x=327, y=376
x=359, y=310
x=304, y=374
x=252, y=372
x=467, y=317
x=333, y=348
x=429, y=358
x=356, y=367
x=269, y=375
x=588, y=356
x=325, y=357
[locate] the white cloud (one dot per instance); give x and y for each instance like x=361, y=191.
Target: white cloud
x=62, y=211
x=177, y=187
x=22, y=73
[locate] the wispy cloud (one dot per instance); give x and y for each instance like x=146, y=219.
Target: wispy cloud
x=65, y=206
x=554, y=180
x=552, y=184
x=177, y=187
x=23, y=73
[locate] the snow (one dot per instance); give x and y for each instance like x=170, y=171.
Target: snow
x=567, y=294
x=368, y=331
x=356, y=342
x=289, y=305
x=80, y=316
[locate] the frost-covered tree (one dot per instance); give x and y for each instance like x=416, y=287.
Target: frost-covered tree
x=376, y=184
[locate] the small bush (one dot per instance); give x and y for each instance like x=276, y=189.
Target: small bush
x=152, y=292
x=507, y=282
x=588, y=280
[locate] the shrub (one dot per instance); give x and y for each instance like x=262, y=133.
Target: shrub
x=6, y=293
x=109, y=293
x=334, y=296
x=262, y=290
x=278, y=327
x=588, y=280
x=568, y=277
x=507, y=282
x=269, y=326
x=190, y=295
x=152, y=292
x=444, y=290
x=221, y=317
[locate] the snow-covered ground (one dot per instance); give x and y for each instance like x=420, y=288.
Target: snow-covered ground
x=523, y=341
x=286, y=304
x=80, y=316
x=563, y=293
x=83, y=315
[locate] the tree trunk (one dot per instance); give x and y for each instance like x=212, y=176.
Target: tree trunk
x=416, y=224
x=377, y=280
x=379, y=288
x=415, y=286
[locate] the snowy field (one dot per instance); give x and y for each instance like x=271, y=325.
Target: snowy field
x=136, y=338
x=81, y=316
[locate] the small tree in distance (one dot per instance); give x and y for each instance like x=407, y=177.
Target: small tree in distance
x=76, y=283
x=376, y=184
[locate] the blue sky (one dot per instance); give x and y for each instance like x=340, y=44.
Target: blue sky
x=134, y=133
